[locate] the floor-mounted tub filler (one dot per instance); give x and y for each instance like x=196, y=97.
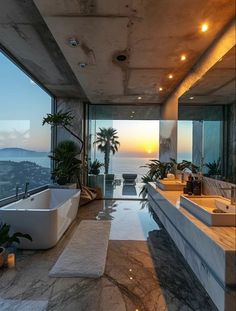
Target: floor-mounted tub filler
x=45, y=216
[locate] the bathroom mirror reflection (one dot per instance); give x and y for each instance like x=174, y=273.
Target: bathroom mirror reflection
x=211, y=105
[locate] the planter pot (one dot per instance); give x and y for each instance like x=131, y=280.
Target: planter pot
x=96, y=181
x=2, y=256
x=62, y=180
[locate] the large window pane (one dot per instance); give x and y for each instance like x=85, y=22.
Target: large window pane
x=24, y=143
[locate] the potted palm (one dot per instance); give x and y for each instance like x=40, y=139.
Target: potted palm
x=107, y=142
x=67, y=165
x=7, y=239
x=95, y=179
x=95, y=167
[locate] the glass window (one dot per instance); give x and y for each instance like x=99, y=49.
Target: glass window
x=24, y=142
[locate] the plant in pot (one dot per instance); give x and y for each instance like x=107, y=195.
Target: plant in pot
x=95, y=167
x=214, y=168
x=64, y=120
x=95, y=179
x=67, y=165
x=7, y=239
x=158, y=169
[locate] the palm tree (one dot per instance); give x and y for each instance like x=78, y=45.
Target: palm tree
x=107, y=142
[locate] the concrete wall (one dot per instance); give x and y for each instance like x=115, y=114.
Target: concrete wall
x=77, y=109
x=168, y=140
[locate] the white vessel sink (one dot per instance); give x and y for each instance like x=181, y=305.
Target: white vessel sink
x=170, y=185
x=213, y=210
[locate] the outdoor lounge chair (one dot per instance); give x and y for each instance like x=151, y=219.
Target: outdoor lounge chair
x=129, y=178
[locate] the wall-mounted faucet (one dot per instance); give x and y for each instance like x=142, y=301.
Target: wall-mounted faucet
x=233, y=194
x=26, y=193
x=17, y=192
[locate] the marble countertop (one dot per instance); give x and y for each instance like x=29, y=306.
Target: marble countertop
x=224, y=237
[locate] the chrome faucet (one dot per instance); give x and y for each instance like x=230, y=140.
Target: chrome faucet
x=26, y=193
x=17, y=192
x=233, y=194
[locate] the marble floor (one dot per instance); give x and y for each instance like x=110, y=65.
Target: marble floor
x=144, y=270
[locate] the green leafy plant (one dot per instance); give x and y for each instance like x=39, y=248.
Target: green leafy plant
x=6, y=239
x=145, y=180
x=67, y=165
x=107, y=143
x=185, y=165
x=214, y=168
x=95, y=167
x=63, y=119
x=158, y=169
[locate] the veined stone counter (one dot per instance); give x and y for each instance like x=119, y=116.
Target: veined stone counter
x=210, y=251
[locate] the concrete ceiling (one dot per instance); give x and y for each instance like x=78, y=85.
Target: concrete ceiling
x=151, y=33
x=25, y=36
x=217, y=86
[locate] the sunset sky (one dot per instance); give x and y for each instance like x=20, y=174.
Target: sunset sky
x=23, y=105
x=138, y=138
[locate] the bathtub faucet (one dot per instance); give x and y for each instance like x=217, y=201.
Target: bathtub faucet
x=17, y=192
x=26, y=193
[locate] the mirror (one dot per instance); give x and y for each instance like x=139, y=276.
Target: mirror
x=211, y=106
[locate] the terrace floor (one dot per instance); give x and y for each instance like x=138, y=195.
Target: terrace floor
x=144, y=270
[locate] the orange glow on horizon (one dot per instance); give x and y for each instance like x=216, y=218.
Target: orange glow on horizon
x=138, y=137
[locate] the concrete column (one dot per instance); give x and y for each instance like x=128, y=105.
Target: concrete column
x=168, y=140
x=197, y=147
x=76, y=107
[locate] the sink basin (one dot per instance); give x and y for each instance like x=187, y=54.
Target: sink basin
x=170, y=185
x=212, y=210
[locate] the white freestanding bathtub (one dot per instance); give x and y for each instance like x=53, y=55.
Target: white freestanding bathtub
x=45, y=216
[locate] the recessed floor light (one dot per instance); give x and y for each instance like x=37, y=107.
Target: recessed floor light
x=170, y=76
x=183, y=57
x=139, y=97
x=204, y=27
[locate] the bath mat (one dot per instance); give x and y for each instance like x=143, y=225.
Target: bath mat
x=85, y=254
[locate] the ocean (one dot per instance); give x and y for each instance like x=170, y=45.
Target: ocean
x=118, y=165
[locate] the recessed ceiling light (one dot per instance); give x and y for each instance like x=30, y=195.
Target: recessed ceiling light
x=204, y=27
x=133, y=111
x=160, y=89
x=131, y=116
x=82, y=65
x=183, y=57
x=170, y=76
x=139, y=97
x=192, y=97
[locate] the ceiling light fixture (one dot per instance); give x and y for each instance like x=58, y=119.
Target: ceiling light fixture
x=204, y=27
x=183, y=57
x=133, y=111
x=160, y=89
x=83, y=65
x=139, y=97
x=73, y=42
x=192, y=97
x=170, y=76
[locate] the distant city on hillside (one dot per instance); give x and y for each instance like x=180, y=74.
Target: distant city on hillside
x=18, y=166
x=20, y=152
